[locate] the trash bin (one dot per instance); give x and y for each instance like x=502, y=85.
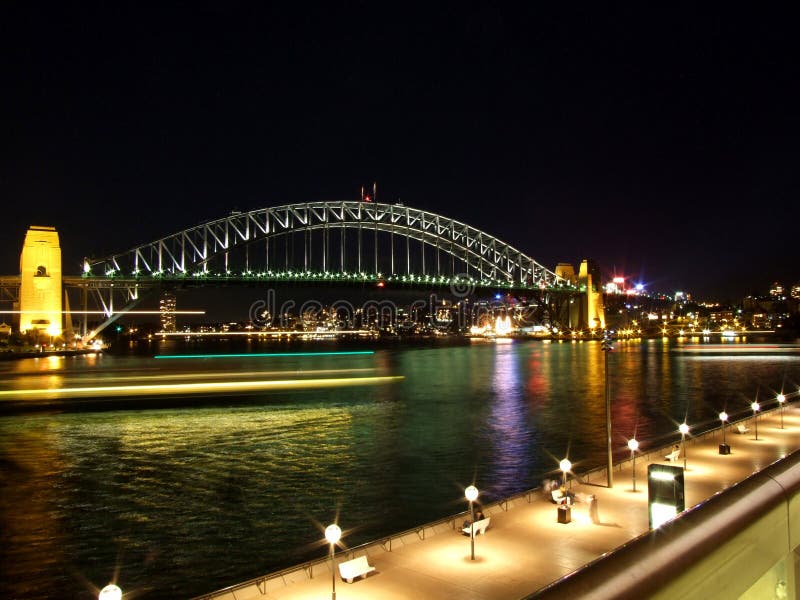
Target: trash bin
x=564, y=514
x=724, y=449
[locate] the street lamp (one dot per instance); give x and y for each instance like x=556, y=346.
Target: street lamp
x=332, y=534
x=472, y=494
x=781, y=400
x=110, y=592
x=634, y=446
x=607, y=348
x=684, y=429
x=723, y=449
x=565, y=467
x=755, y=406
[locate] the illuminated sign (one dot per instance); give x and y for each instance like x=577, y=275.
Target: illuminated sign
x=665, y=494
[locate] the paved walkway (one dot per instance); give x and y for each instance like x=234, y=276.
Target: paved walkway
x=525, y=548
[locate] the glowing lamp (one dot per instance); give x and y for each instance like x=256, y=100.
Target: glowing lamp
x=684, y=429
x=633, y=446
x=471, y=493
x=333, y=533
x=110, y=592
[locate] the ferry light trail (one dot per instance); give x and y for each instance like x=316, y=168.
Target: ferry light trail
x=196, y=388
x=268, y=355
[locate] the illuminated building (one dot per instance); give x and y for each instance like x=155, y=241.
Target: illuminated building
x=167, y=309
x=40, y=282
x=777, y=290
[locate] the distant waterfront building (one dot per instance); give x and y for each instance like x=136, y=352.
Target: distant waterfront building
x=167, y=309
x=796, y=291
x=40, y=282
x=777, y=290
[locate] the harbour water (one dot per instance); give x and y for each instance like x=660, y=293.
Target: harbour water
x=180, y=494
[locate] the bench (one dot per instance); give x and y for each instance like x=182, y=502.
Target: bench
x=673, y=456
x=477, y=527
x=742, y=429
x=358, y=567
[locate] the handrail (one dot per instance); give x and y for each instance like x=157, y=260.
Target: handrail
x=655, y=560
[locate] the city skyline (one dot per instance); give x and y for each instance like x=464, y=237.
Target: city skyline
x=660, y=144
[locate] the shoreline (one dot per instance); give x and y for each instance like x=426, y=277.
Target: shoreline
x=19, y=354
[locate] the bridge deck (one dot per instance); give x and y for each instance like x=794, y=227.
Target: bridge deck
x=525, y=548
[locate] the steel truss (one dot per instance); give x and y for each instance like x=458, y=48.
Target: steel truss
x=196, y=250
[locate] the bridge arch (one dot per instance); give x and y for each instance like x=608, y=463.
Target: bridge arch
x=393, y=228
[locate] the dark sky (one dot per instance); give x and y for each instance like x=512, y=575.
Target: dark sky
x=661, y=141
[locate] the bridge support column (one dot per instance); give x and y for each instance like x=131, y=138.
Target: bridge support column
x=40, y=282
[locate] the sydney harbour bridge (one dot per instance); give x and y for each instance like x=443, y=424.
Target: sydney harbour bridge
x=343, y=243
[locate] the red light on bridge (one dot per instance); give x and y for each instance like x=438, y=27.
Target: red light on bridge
x=381, y=284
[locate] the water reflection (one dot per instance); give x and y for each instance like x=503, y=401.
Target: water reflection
x=85, y=491
x=509, y=435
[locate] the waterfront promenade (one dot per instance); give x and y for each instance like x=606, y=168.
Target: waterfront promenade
x=525, y=548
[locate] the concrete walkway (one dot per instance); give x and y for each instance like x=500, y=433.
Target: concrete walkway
x=525, y=548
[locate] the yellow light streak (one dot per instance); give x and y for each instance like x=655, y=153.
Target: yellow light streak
x=113, y=312
x=196, y=375
x=198, y=388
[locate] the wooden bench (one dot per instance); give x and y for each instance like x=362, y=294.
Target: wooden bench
x=740, y=428
x=358, y=567
x=477, y=527
x=673, y=456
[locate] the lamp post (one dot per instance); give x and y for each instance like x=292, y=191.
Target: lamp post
x=471, y=494
x=781, y=400
x=607, y=348
x=755, y=406
x=332, y=534
x=684, y=429
x=110, y=592
x=633, y=444
x=723, y=448
x=565, y=467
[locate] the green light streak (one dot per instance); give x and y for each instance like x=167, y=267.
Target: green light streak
x=263, y=355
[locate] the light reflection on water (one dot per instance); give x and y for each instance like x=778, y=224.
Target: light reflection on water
x=188, y=500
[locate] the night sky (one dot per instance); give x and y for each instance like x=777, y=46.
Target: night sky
x=663, y=142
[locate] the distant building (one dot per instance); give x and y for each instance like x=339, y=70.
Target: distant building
x=167, y=309
x=777, y=290
x=796, y=291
